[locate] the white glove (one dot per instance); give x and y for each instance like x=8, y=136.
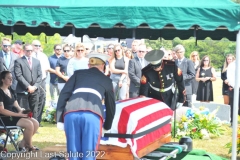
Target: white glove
x=179, y=105
x=104, y=131
x=60, y=126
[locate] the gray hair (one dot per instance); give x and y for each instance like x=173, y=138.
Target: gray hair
x=179, y=47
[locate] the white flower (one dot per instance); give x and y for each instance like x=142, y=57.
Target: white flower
x=203, y=74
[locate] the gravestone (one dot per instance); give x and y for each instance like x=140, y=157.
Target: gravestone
x=223, y=112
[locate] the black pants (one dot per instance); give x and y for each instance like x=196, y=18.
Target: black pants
x=188, y=102
x=231, y=100
x=29, y=101
x=41, y=100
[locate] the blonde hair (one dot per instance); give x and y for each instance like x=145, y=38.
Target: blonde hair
x=79, y=45
x=191, y=55
x=6, y=39
x=131, y=55
x=226, y=63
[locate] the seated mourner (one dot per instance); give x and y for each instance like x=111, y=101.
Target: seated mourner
x=13, y=114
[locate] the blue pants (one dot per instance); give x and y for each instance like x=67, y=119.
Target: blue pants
x=83, y=132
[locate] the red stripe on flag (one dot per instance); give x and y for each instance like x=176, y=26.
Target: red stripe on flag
x=125, y=114
x=152, y=137
x=151, y=118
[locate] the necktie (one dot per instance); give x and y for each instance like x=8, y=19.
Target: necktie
x=29, y=62
x=142, y=63
x=7, y=60
x=179, y=62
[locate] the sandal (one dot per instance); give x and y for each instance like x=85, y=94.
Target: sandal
x=33, y=148
x=21, y=149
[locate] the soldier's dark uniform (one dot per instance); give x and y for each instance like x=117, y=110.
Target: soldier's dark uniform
x=160, y=84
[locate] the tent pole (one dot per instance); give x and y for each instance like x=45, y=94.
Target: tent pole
x=73, y=30
x=235, y=103
x=133, y=33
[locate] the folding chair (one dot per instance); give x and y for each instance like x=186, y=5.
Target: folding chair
x=8, y=133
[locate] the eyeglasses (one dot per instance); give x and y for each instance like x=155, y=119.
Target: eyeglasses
x=28, y=50
x=118, y=50
x=37, y=45
x=179, y=52
x=205, y=60
x=141, y=51
x=5, y=46
x=66, y=50
x=57, y=49
x=194, y=55
x=80, y=50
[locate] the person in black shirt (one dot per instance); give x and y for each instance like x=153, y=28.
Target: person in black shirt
x=13, y=113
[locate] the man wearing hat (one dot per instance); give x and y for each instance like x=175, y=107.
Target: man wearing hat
x=80, y=107
x=159, y=77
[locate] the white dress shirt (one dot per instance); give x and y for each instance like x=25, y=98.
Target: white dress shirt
x=231, y=73
x=45, y=66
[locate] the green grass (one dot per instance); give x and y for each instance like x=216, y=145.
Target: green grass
x=49, y=135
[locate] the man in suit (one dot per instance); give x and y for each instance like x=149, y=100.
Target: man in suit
x=8, y=59
x=29, y=76
x=135, y=70
x=188, y=72
x=80, y=106
x=45, y=66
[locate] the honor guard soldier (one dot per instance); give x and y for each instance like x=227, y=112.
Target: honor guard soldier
x=80, y=106
x=158, y=80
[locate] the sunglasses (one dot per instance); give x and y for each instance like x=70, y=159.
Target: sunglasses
x=37, y=45
x=80, y=50
x=141, y=51
x=58, y=49
x=194, y=55
x=66, y=50
x=87, y=48
x=5, y=46
x=110, y=48
x=118, y=50
x=28, y=50
x=205, y=60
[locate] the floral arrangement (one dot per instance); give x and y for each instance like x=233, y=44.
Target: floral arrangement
x=198, y=124
x=49, y=114
x=229, y=145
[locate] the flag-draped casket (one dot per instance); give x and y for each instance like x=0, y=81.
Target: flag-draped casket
x=142, y=119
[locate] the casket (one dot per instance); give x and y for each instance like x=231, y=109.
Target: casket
x=140, y=126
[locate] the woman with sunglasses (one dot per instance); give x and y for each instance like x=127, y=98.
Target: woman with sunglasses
x=205, y=75
x=225, y=86
x=194, y=56
x=61, y=67
x=119, y=72
x=79, y=61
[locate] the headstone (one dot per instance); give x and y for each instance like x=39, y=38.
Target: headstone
x=223, y=112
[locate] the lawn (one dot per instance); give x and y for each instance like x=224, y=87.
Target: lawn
x=49, y=135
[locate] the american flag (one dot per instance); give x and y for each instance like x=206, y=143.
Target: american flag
x=137, y=115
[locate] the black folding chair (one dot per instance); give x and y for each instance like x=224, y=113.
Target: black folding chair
x=8, y=131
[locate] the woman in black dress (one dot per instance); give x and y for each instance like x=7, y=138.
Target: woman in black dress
x=225, y=86
x=13, y=115
x=205, y=75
